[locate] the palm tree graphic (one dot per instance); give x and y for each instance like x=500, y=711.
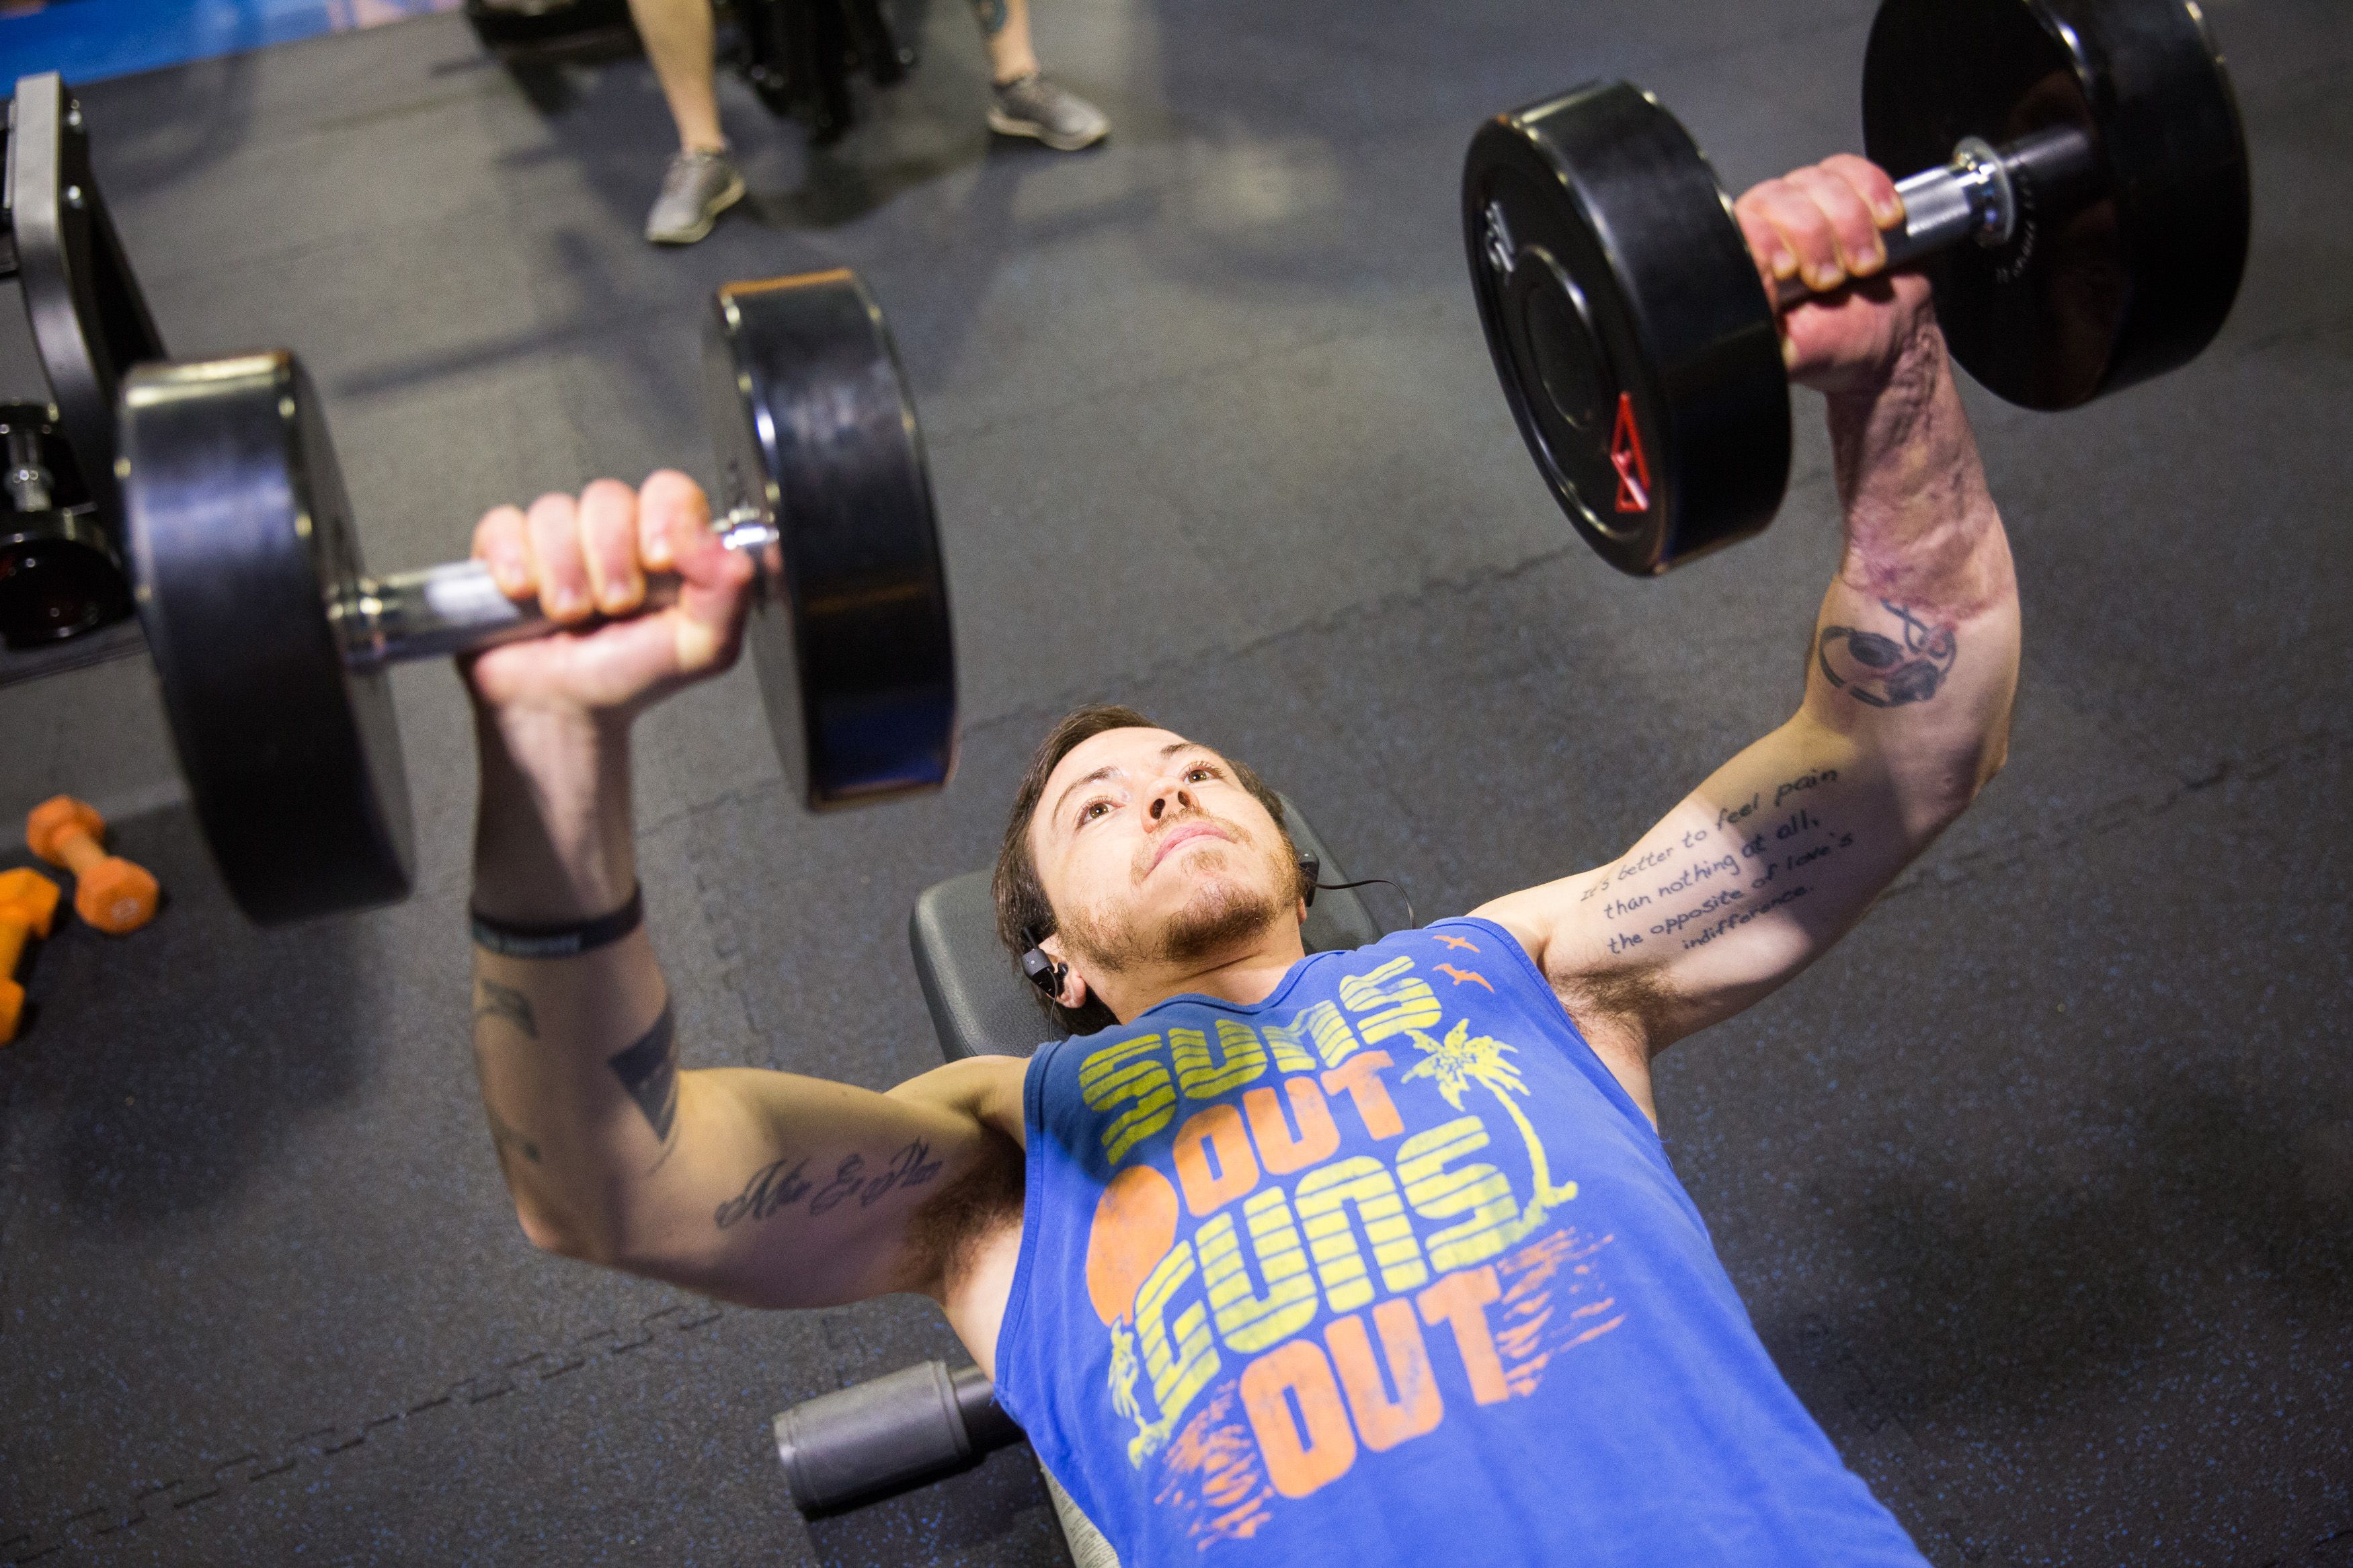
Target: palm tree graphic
x=1125, y=1372
x=1461, y=1059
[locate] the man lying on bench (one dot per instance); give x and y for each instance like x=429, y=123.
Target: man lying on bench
x=1368, y=1257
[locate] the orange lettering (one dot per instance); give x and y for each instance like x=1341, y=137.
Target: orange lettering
x=1279, y=1151
x=1298, y=1462
x=1361, y=1076
x=1214, y=1163
x=1461, y=1299
x=1385, y=1422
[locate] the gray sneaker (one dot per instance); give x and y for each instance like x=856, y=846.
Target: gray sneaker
x=1032, y=106
x=695, y=189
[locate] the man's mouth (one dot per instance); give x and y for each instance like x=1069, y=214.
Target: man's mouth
x=1185, y=835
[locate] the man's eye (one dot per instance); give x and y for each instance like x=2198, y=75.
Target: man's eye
x=1087, y=812
x=1200, y=771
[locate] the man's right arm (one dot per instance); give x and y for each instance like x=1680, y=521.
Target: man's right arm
x=760, y=1187
x=765, y=1188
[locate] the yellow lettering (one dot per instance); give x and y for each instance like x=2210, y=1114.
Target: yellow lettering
x=1324, y=1198
x=1204, y=1078
x=1393, y=999
x=1130, y=1073
x=1182, y=1369
x=1247, y=1320
x=1480, y=1191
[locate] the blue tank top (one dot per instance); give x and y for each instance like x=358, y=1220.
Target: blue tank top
x=1388, y=1268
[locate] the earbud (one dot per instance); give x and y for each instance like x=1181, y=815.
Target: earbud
x=1310, y=868
x=1042, y=971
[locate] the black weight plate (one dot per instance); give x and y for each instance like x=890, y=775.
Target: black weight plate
x=2101, y=287
x=241, y=545
x=88, y=319
x=1636, y=346
x=815, y=431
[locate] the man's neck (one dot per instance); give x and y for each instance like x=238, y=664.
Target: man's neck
x=1247, y=976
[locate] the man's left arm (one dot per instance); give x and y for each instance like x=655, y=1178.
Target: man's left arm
x=1910, y=673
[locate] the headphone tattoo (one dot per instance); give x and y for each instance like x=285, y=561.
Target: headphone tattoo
x=1879, y=670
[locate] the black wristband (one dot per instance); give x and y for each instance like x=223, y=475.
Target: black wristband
x=509, y=940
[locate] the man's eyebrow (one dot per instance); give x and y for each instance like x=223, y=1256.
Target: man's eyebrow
x=1104, y=771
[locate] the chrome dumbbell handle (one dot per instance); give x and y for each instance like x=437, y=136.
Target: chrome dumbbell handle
x=458, y=607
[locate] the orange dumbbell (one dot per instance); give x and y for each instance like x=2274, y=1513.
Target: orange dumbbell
x=109, y=892
x=28, y=902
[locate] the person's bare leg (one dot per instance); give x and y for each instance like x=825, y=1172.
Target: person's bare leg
x=1005, y=29
x=678, y=37
x=701, y=181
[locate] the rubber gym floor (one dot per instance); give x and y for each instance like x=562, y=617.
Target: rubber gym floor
x=2040, y=1188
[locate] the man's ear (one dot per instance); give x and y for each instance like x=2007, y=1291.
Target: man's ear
x=1073, y=992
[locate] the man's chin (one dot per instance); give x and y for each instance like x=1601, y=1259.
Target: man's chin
x=1220, y=915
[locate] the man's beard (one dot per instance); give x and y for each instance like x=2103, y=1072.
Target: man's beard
x=1215, y=919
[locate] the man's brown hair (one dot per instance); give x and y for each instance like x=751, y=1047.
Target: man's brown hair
x=1024, y=917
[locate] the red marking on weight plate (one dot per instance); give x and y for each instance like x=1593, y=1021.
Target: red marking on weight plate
x=1625, y=457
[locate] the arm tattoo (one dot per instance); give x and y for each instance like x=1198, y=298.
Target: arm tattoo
x=498, y=1001
x=648, y=1071
x=991, y=14
x=786, y=1184
x=1879, y=670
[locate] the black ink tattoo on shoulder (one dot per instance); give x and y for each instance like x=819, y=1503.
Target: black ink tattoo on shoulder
x=991, y=14
x=1877, y=670
x=786, y=1184
x=497, y=1001
x=649, y=1070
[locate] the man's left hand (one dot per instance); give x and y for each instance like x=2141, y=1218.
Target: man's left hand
x=1823, y=224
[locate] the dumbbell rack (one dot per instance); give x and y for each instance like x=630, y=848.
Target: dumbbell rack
x=90, y=325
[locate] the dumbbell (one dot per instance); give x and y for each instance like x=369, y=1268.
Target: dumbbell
x=28, y=903
x=109, y=892
x=2083, y=213
x=272, y=642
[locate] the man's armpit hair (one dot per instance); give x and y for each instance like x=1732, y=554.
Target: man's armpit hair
x=946, y=1231
x=1639, y=996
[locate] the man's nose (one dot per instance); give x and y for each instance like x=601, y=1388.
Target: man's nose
x=1171, y=791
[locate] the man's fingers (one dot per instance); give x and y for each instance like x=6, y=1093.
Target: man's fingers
x=1873, y=183
x=608, y=546
x=500, y=544
x=710, y=601
x=1774, y=258
x=1860, y=251
x=671, y=508
x=558, y=571
x=1803, y=228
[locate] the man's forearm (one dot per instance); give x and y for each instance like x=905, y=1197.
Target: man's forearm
x=553, y=839
x=578, y=1069
x=1921, y=527
x=1915, y=656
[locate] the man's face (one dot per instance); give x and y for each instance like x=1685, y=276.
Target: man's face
x=1151, y=852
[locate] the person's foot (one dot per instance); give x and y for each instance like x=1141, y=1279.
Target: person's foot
x=695, y=189
x=1032, y=106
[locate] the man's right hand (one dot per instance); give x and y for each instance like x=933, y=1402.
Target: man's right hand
x=589, y=558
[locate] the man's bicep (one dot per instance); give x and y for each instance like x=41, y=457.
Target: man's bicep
x=783, y=1190
x=1738, y=888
